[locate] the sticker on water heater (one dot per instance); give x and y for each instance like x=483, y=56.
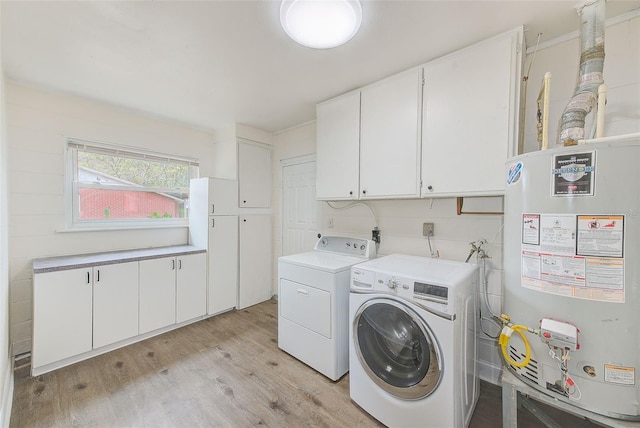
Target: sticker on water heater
x=514, y=173
x=619, y=375
x=531, y=229
x=574, y=174
x=600, y=235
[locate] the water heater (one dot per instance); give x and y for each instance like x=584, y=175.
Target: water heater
x=572, y=274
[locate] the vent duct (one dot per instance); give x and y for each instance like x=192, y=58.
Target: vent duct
x=590, y=75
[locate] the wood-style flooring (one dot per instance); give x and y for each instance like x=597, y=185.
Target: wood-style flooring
x=225, y=371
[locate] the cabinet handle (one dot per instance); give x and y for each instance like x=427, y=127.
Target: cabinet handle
x=303, y=291
x=213, y=222
x=244, y=202
x=350, y=192
x=173, y=264
x=429, y=187
x=245, y=220
x=98, y=280
x=364, y=192
x=88, y=278
x=179, y=263
x=213, y=208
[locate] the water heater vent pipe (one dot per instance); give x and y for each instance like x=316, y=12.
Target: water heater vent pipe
x=590, y=75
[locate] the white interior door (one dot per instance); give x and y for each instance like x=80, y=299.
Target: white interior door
x=300, y=209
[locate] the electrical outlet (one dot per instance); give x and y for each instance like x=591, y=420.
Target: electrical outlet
x=427, y=229
x=330, y=222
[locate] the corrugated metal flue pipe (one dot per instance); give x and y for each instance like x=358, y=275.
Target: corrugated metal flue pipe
x=590, y=74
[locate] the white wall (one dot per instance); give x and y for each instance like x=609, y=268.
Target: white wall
x=621, y=74
x=38, y=122
x=6, y=372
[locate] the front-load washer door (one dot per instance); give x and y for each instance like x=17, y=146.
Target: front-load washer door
x=397, y=349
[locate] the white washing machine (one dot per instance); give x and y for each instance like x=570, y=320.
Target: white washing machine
x=412, y=341
x=313, y=302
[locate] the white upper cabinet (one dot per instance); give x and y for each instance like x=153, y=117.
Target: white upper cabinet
x=338, y=146
x=254, y=175
x=390, y=137
x=368, y=141
x=470, y=112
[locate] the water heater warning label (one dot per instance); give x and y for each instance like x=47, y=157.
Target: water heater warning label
x=577, y=256
x=619, y=375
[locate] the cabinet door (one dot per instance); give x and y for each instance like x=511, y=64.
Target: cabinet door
x=337, y=148
x=115, y=303
x=223, y=264
x=62, y=324
x=469, y=123
x=255, y=260
x=254, y=175
x=191, y=286
x=157, y=293
x=390, y=137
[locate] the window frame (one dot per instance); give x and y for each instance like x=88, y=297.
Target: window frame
x=72, y=186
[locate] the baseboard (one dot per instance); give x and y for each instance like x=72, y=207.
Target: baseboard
x=489, y=372
x=7, y=395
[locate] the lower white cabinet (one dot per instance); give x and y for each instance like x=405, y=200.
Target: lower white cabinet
x=172, y=290
x=157, y=293
x=62, y=315
x=115, y=303
x=191, y=286
x=77, y=310
x=82, y=312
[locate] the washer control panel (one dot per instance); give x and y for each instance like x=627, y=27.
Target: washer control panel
x=429, y=295
x=364, y=248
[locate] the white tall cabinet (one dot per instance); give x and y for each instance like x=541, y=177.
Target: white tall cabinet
x=256, y=240
x=254, y=174
x=213, y=225
x=231, y=219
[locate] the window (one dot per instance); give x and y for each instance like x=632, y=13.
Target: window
x=113, y=187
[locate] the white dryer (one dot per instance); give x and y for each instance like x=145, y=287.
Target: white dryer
x=413, y=341
x=313, y=302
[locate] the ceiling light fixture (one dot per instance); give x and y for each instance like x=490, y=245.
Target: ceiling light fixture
x=321, y=24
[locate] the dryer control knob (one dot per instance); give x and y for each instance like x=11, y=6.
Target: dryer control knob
x=392, y=284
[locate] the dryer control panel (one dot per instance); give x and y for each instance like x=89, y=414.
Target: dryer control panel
x=364, y=248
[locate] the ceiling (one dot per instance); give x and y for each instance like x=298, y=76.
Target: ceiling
x=214, y=63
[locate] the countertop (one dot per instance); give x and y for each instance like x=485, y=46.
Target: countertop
x=52, y=264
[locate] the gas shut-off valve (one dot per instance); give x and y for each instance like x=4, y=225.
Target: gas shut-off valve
x=559, y=334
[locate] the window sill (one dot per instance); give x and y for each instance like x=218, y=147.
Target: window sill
x=123, y=227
